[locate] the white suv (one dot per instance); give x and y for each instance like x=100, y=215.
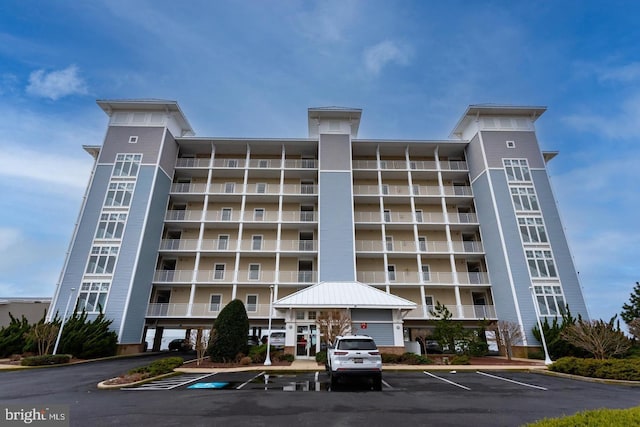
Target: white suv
x=354, y=356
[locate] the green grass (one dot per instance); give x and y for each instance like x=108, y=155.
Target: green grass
x=595, y=418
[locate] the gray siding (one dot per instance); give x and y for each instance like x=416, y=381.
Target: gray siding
x=382, y=328
x=169, y=154
x=475, y=159
x=495, y=147
x=72, y=276
x=336, y=255
x=117, y=141
x=561, y=252
x=147, y=256
x=334, y=152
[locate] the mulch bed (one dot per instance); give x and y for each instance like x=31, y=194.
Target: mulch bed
x=206, y=363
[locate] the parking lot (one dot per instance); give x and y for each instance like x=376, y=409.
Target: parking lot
x=425, y=381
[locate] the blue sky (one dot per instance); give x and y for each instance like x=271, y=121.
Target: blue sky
x=252, y=68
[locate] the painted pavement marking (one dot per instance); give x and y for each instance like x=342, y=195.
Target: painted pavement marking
x=445, y=380
x=512, y=381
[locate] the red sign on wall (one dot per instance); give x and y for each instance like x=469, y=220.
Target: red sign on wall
x=363, y=326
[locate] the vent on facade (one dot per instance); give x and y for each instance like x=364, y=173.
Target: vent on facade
x=511, y=144
x=133, y=139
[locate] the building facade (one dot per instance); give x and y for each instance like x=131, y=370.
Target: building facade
x=173, y=227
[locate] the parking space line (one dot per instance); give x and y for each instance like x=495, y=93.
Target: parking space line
x=249, y=380
x=446, y=380
x=192, y=380
x=512, y=381
x=386, y=384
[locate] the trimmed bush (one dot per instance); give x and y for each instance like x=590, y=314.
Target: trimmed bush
x=613, y=369
x=87, y=339
x=159, y=367
x=414, y=359
x=47, y=359
x=258, y=353
x=286, y=357
x=598, y=417
x=12, y=336
x=321, y=357
x=229, y=337
x=390, y=358
x=460, y=360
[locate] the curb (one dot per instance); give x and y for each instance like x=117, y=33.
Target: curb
x=591, y=379
x=103, y=386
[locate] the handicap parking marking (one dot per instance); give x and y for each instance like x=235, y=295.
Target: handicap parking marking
x=512, y=381
x=446, y=380
x=169, y=383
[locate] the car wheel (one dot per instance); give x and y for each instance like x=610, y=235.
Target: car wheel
x=377, y=383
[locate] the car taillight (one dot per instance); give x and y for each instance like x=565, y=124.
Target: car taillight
x=340, y=353
x=374, y=353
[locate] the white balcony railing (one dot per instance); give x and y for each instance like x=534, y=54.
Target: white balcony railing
x=462, y=312
x=187, y=187
x=183, y=215
x=200, y=310
x=192, y=163
x=179, y=244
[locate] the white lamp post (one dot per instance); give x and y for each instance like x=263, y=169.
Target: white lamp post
x=547, y=359
x=64, y=319
x=267, y=360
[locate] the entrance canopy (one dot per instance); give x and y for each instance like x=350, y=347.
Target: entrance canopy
x=343, y=295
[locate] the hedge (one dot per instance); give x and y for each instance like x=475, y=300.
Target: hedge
x=598, y=417
x=159, y=367
x=613, y=369
x=47, y=359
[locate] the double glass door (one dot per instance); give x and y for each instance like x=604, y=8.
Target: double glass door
x=306, y=341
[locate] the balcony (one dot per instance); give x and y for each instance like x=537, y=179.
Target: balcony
x=300, y=163
x=200, y=310
x=179, y=245
x=462, y=312
x=188, y=188
x=183, y=215
x=192, y=163
x=426, y=277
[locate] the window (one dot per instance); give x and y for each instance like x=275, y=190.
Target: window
x=419, y=217
x=102, y=260
x=261, y=188
x=416, y=190
x=256, y=243
x=511, y=144
x=541, y=264
x=383, y=164
x=223, y=242
x=232, y=163
x=307, y=213
x=127, y=165
x=229, y=187
x=550, y=300
x=258, y=214
x=426, y=275
x=92, y=296
x=422, y=243
x=263, y=163
x=308, y=163
x=133, y=139
x=428, y=302
x=391, y=272
x=215, y=302
x=111, y=226
x=524, y=198
x=311, y=315
x=306, y=187
x=389, y=241
x=517, y=170
x=119, y=194
x=252, y=303
x=218, y=272
x=226, y=214
x=532, y=230
x=254, y=271
x=385, y=189
x=387, y=215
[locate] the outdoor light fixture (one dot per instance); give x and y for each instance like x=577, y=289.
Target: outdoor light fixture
x=547, y=359
x=267, y=360
x=64, y=319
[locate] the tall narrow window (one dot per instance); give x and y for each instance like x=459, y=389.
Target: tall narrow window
x=218, y=272
x=252, y=303
x=419, y=216
x=223, y=242
x=422, y=243
x=428, y=302
x=385, y=189
x=391, y=272
x=256, y=243
x=261, y=188
x=215, y=303
x=254, y=271
x=258, y=214
x=389, y=242
x=226, y=214
x=387, y=215
x=426, y=275
x=229, y=187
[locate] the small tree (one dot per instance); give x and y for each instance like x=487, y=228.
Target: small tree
x=447, y=331
x=634, y=327
x=200, y=340
x=631, y=310
x=508, y=334
x=332, y=324
x=43, y=334
x=597, y=337
x=229, y=336
x=556, y=345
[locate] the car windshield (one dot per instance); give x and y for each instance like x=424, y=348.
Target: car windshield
x=356, y=344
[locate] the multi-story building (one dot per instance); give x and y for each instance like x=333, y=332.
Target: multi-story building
x=173, y=227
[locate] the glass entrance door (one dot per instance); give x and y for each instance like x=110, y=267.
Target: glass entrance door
x=306, y=341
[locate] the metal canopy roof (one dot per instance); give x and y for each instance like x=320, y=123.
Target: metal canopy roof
x=343, y=295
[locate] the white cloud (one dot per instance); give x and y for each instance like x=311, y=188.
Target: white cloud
x=56, y=84
x=623, y=74
x=622, y=123
x=384, y=53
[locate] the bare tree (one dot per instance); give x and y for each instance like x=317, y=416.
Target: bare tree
x=634, y=327
x=200, y=340
x=597, y=337
x=508, y=335
x=333, y=323
x=44, y=334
